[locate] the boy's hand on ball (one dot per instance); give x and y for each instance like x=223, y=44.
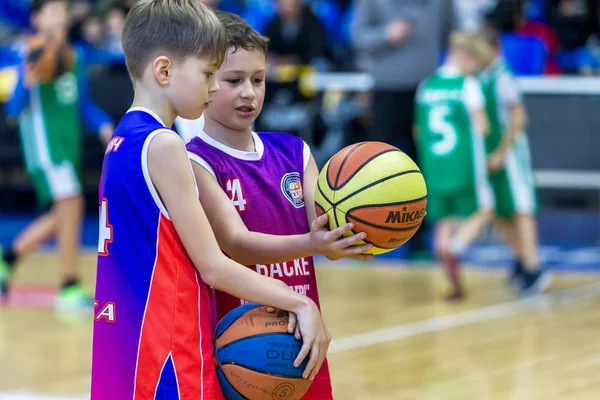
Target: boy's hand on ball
x=332, y=244
x=315, y=339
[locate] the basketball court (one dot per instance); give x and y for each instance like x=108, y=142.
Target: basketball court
x=394, y=337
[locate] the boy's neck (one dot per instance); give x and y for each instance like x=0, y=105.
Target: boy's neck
x=145, y=99
x=235, y=139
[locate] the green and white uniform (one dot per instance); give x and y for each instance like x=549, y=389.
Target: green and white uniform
x=51, y=138
x=451, y=151
x=513, y=186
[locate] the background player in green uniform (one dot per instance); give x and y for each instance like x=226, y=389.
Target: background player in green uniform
x=509, y=164
x=451, y=125
x=50, y=116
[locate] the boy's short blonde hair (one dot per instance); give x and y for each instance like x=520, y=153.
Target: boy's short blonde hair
x=180, y=28
x=470, y=43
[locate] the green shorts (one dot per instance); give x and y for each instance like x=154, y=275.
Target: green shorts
x=461, y=203
x=513, y=186
x=53, y=163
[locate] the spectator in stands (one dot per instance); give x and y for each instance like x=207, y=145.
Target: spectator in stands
x=511, y=16
x=114, y=22
x=574, y=22
x=470, y=13
x=297, y=36
x=403, y=41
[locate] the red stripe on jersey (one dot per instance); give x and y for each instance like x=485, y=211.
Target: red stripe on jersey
x=156, y=335
x=321, y=386
x=177, y=321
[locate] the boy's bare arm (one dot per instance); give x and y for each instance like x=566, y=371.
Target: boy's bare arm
x=248, y=247
x=172, y=177
x=518, y=122
x=480, y=121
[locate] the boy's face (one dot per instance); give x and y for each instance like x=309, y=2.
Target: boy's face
x=467, y=62
x=241, y=93
x=52, y=18
x=191, y=85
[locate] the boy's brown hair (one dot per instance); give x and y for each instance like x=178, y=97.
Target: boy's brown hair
x=180, y=28
x=241, y=34
x=37, y=5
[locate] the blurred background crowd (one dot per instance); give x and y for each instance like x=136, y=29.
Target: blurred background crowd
x=318, y=32
x=370, y=55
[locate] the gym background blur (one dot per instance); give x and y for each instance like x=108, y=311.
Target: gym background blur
x=342, y=71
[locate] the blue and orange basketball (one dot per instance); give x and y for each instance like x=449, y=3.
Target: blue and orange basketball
x=255, y=356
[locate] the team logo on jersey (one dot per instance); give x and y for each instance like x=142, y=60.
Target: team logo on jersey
x=292, y=189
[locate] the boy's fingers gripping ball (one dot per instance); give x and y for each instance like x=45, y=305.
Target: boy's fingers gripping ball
x=376, y=187
x=255, y=356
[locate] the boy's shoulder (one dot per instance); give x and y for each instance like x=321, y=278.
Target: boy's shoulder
x=284, y=143
x=279, y=137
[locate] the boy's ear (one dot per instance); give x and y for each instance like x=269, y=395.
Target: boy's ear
x=162, y=70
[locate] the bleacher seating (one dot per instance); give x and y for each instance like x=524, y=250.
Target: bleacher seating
x=525, y=55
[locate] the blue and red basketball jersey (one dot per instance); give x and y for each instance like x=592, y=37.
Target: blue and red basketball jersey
x=265, y=187
x=153, y=319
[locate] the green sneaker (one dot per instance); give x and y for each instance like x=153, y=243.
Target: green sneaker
x=74, y=298
x=4, y=275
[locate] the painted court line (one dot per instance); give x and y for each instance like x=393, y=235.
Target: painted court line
x=478, y=315
x=33, y=396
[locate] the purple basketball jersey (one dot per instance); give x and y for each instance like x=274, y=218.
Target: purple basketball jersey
x=266, y=189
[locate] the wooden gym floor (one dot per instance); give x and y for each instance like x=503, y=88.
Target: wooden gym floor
x=394, y=338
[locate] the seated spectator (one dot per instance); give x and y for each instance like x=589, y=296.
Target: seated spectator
x=114, y=22
x=511, y=16
x=573, y=23
x=297, y=36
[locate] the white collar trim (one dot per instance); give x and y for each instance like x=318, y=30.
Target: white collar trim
x=241, y=155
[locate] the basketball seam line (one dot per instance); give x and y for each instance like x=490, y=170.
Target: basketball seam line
x=373, y=157
x=260, y=372
x=412, y=171
x=249, y=307
x=337, y=177
x=379, y=247
x=324, y=197
x=245, y=337
x=231, y=384
x=385, y=227
x=387, y=204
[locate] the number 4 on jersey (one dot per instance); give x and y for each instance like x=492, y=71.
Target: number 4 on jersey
x=234, y=187
x=105, y=235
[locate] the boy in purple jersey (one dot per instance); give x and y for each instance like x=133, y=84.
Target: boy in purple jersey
x=258, y=189
x=156, y=251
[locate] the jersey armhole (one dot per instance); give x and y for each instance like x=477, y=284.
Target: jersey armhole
x=305, y=155
x=202, y=162
x=146, y=171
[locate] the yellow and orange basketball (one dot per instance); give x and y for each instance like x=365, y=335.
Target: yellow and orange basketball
x=378, y=188
x=49, y=57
